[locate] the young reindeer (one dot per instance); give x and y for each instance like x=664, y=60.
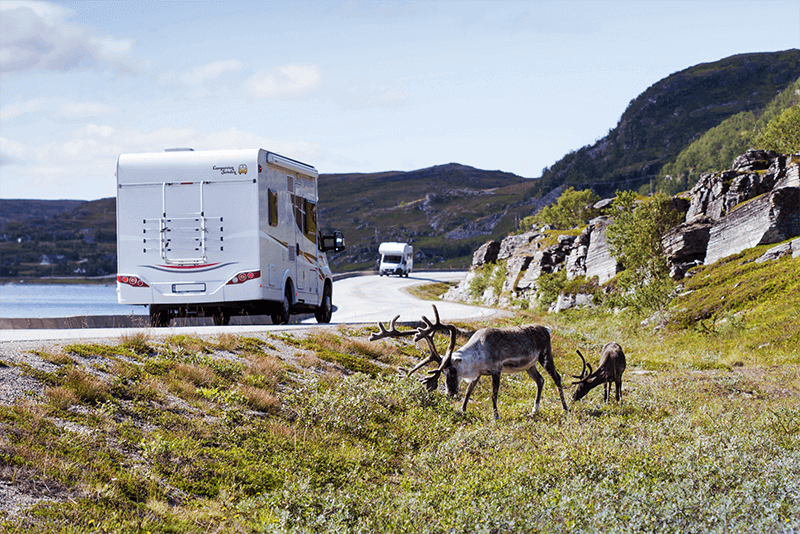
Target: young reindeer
x=492, y=351
x=612, y=365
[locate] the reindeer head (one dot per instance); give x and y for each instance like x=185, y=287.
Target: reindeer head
x=583, y=385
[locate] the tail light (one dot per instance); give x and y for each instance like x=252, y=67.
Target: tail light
x=244, y=277
x=131, y=281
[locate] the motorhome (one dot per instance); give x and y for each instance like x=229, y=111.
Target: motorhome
x=221, y=233
x=396, y=258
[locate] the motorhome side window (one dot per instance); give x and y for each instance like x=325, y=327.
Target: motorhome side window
x=273, y=207
x=311, y=220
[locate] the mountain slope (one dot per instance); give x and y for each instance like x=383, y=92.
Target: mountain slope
x=446, y=211
x=668, y=116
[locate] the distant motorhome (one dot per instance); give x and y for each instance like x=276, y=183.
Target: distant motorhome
x=396, y=258
x=221, y=233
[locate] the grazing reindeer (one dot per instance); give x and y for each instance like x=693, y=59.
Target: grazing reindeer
x=612, y=365
x=492, y=351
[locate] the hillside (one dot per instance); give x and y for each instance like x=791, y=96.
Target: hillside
x=669, y=116
x=445, y=211
x=315, y=431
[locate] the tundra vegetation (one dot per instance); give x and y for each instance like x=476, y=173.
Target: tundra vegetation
x=320, y=433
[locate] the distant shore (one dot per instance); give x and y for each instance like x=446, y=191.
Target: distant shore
x=67, y=280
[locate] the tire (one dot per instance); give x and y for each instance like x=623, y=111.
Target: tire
x=325, y=309
x=159, y=317
x=284, y=313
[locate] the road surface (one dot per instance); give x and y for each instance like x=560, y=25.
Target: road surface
x=357, y=300
x=368, y=299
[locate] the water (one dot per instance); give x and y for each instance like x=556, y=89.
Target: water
x=62, y=300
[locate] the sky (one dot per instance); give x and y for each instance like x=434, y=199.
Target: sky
x=343, y=85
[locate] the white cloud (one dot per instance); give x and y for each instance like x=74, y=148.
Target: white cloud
x=291, y=80
x=83, y=166
x=21, y=108
x=211, y=71
x=37, y=35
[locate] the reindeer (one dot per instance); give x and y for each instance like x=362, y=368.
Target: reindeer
x=610, y=369
x=490, y=351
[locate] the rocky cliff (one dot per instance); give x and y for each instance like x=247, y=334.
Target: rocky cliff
x=756, y=202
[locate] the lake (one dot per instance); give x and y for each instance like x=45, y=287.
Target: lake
x=62, y=300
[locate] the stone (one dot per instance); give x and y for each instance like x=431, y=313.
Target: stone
x=486, y=253
x=767, y=219
x=687, y=242
x=599, y=261
x=514, y=268
x=775, y=253
x=512, y=243
x=565, y=302
x=754, y=160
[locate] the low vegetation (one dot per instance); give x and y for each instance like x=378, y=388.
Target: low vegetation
x=319, y=433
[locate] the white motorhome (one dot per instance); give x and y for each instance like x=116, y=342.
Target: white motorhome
x=396, y=258
x=221, y=233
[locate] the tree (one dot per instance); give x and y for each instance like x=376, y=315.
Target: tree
x=573, y=208
x=634, y=238
x=782, y=134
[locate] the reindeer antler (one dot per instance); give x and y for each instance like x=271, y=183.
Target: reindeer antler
x=394, y=332
x=584, y=373
x=426, y=332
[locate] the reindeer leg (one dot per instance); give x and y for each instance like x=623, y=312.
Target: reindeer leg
x=550, y=367
x=495, y=389
x=606, y=390
x=619, y=389
x=533, y=372
x=470, y=387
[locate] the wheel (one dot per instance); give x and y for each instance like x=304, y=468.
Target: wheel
x=159, y=317
x=221, y=317
x=283, y=314
x=325, y=309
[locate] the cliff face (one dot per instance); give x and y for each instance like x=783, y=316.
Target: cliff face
x=757, y=202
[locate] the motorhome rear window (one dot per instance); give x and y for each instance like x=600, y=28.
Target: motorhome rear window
x=273, y=208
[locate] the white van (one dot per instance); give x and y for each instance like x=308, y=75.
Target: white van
x=221, y=233
x=396, y=258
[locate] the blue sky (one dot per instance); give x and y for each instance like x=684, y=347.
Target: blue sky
x=347, y=86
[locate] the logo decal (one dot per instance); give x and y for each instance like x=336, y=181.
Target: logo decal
x=225, y=170
x=242, y=169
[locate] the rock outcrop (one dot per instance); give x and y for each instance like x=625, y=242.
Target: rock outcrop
x=756, y=202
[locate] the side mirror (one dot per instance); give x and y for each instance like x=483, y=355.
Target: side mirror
x=333, y=242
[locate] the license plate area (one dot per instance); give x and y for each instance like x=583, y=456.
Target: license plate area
x=189, y=288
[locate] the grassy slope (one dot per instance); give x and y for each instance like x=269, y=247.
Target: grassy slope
x=185, y=435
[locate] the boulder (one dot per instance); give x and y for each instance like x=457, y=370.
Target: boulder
x=599, y=261
x=486, y=253
x=754, y=160
x=565, y=302
x=687, y=242
x=514, y=267
x=791, y=248
x=511, y=244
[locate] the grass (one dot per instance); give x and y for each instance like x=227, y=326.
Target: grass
x=226, y=435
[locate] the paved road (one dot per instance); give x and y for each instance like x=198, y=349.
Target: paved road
x=368, y=299
x=357, y=300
